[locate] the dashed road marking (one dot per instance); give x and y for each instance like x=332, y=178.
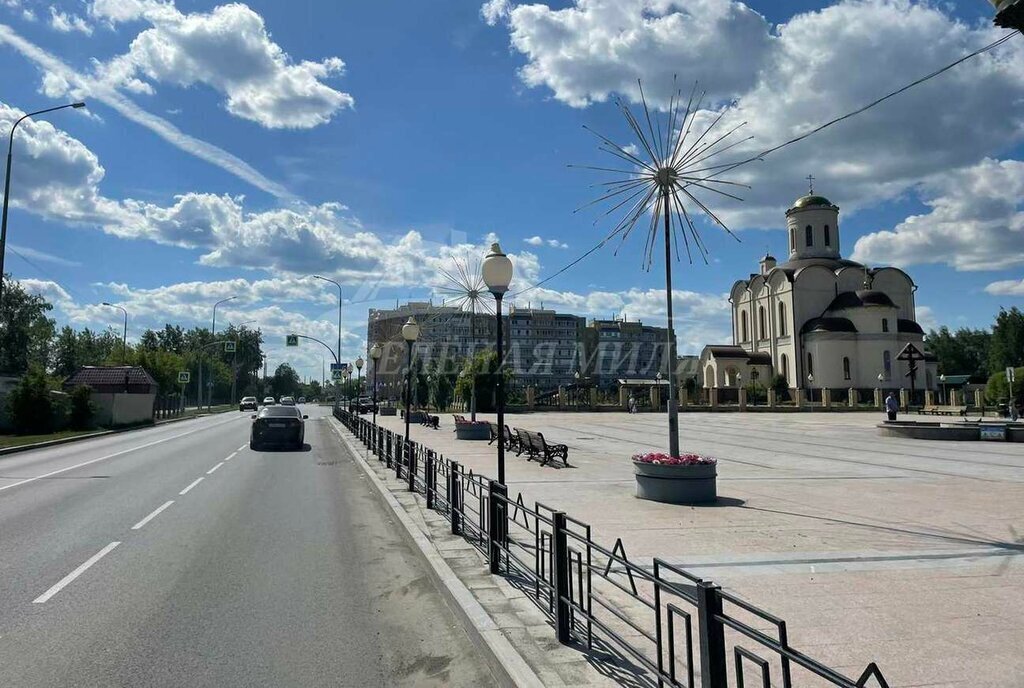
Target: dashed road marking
x=156, y=512
x=66, y=580
x=214, y=468
x=191, y=485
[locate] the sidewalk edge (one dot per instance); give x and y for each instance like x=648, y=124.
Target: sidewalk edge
x=508, y=666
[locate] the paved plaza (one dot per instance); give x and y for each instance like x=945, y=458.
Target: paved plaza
x=908, y=553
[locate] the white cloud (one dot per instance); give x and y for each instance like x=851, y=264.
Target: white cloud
x=555, y=243
x=927, y=318
x=66, y=23
x=1006, y=288
x=49, y=290
x=594, y=48
x=787, y=80
x=59, y=79
x=494, y=11
x=534, y=241
x=976, y=222
x=541, y=241
x=229, y=50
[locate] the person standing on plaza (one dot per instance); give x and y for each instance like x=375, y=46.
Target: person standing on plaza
x=632, y=404
x=891, y=406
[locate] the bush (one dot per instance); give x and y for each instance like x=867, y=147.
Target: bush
x=781, y=387
x=997, y=391
x=82, y=408
x=757, y=393
x=30, y=406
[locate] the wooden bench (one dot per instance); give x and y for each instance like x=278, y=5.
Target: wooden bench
x=511, y=441
x=934, y=410
x=536, y=447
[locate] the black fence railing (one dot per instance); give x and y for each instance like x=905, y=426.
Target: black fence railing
x=640, y=625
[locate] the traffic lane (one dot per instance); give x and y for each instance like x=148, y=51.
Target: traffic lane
x=50, y=526
x=285, y=572
x=30, y=466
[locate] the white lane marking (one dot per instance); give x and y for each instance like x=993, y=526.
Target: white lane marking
x=153, y=515
x=243, y=447
x=231, y=456
x=108, y=456
x=191, y=485
x=63, y=582
x=214, y=468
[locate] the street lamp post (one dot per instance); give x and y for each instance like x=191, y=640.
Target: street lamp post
x=410, y=333
x=497, y=274
x=7, y=180
x=359, y=380
x=234, y=363
x=810, y=387
x=213, y=334
x=375, y=354
x=942, y=379
x=328, y=279
x=124, y=332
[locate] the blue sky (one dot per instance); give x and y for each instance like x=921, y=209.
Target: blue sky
x=228, y=150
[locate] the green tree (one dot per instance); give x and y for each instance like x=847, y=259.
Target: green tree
x=964, y=352
x=441, y=385
x=81, y=407
x=25, y=330
x=29, y=404
x=285, y=381
x=149, y=341
x=1007, y=340
x=997, y=391
x=482, y=371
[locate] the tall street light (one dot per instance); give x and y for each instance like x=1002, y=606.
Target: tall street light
x=213, y=335
x=328, y=279
x=7, y=180
x=359, y=380
x=234, y=364
x=375, y=353
x=410, y=333
x=497, y=274
x=124, y=334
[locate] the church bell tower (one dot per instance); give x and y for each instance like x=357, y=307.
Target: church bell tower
x=813, y=226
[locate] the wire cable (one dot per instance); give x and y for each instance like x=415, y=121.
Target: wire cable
x=812, y=132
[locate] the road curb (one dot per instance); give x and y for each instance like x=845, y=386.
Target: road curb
x=507, y=665
x=92, y=435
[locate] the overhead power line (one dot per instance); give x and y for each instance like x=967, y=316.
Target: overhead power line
x=760, y=156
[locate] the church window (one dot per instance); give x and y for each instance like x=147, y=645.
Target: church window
x=887, y=364
x=846, y=368
x=782, y=319
x=760, y=323
x=809, y=238
x=885, y=324
x=810, y=364
x=828, y=237
x=792, y=240
x=743, y=327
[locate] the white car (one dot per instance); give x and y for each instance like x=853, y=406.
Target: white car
x=268, y=401
x=287, y=401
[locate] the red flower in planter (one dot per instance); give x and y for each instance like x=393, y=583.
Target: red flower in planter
x=681, y=460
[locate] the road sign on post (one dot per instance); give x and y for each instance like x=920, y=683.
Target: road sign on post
x=229, y=347
x=291, y=340
x=337, y=374
x=184, y=377
x=1010, y=374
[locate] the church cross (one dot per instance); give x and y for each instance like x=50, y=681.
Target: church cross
x=810, y=180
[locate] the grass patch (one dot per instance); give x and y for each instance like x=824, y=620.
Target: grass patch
x=20, y=440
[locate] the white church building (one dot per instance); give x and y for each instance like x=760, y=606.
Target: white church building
x=818, y=319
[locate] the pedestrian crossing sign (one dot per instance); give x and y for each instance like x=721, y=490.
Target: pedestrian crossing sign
x=184, y=377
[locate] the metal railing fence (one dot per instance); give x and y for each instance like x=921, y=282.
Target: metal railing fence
x=640, y=625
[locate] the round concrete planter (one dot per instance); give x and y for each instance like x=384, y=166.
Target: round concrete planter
x=472, y=431
x=676, y=484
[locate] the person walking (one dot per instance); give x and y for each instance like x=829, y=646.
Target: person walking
x=632, y=404
x=891, y=406
x=1014, y=414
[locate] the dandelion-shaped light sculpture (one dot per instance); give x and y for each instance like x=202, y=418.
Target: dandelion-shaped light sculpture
x=666, y=171
x=464, y=292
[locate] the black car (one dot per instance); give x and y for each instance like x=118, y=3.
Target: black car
x=278, y=425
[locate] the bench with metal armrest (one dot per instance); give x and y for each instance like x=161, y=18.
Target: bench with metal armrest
x=536, y=447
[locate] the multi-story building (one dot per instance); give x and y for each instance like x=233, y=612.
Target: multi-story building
x=624, y=350
x=544, y=347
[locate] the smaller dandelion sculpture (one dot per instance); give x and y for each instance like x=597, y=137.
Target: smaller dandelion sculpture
x=464, y=292
x=666, y=171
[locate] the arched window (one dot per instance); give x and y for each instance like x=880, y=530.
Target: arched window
x=761, y=331
x=743, y=327
x=784, y=367
x=782, y=319
x=885, y=324
x=792, y=240
x=810, y=364
x=809, y=236
x=887, y=364
x=846, y=368
x=828, y=237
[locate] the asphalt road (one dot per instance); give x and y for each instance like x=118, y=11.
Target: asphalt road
x=175, y=556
